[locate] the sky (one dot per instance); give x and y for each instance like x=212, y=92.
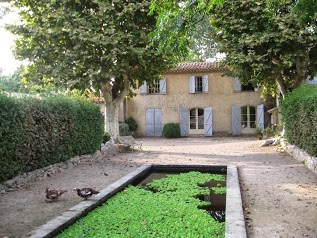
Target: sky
x=7, y=62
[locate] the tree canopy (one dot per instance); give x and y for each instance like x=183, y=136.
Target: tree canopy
x=97, y=44
x=265, y=42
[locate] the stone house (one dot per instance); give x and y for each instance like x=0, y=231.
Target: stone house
x=200, y=99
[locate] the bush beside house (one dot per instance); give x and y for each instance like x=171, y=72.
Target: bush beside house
x=38, y=132
x=299, y=111
x=171, y=130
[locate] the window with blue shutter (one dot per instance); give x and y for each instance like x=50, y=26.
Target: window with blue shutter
x=198, y=84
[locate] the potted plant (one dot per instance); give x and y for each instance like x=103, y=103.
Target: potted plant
x=268, y=132
x=259, y=132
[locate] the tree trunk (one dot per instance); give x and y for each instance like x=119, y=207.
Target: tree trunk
x=112, y=107
x=112, y=120
x=282, y=86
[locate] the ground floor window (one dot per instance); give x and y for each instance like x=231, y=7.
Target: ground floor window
x=248, y=118
x=196, y=121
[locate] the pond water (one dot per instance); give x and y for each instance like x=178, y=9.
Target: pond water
x=217, y=206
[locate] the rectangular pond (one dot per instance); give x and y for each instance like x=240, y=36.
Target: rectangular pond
x=234, y=227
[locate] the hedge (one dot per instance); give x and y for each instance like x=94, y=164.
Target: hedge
x=171, y=130
x=299, y=111
x=38, y=132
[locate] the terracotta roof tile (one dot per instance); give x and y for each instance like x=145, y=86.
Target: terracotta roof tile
x=197, y=67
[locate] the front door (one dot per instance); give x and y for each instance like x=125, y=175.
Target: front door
x=154, y=125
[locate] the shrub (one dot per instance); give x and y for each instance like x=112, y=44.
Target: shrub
x=171, y=130
x=39, y=132
x=106, y=137
x=124, y=129
x=299, y=110
x=133, y=126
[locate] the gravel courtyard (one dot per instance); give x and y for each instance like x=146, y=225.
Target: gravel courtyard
x=279, y=193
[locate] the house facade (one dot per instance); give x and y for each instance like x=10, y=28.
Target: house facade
x=200, y=99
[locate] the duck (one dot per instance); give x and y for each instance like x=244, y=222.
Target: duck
x=54, y=194
x=85, y=192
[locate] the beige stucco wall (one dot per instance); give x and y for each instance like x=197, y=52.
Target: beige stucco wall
x=220, y=97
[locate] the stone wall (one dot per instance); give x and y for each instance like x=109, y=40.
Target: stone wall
x=24, y=179
x=300, y=155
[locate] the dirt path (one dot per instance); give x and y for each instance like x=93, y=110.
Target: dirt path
x=279, y=193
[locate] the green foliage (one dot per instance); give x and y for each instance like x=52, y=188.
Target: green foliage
x=299, y=110
x=106, y=137
x=136, y=212
x=264, y=42
x=258, y=130
x=13, y=83
x=38, y=132
x=133, y=126
x=124, y=129
x=104, y=45
x=171, y=130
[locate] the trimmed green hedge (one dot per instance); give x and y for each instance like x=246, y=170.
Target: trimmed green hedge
x=299, y=111
x=171, y=130
x=38, y=132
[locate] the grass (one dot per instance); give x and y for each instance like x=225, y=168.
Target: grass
x=169, y=209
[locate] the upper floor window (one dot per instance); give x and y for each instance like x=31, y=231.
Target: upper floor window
x=238, y=87
x=198, y=84
x=154, y=87
x=248, y=87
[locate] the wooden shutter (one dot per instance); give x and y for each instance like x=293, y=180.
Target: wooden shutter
x=236, y=120
x=192, y=84
x=260, y=116
x=143, y=88
x=236, y=84
x=205, y=84
x=158, y=125
x=163, y=86
x=208, y=121
x=184, y=121
x=149, y=122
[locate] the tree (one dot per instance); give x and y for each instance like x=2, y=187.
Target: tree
x=265, y=43
x=100, y=45
x=13, y=82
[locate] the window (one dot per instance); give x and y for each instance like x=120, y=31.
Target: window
x=196, y=119
x=154, y=87
x=238, y=87
x=198, y=84
x=248, y=87
x=248, y=117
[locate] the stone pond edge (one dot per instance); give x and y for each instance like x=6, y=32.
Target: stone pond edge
x=235, y=225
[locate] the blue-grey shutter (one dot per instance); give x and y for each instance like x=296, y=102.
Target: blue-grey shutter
x=163, y=86
x=192, y=84
x=260, y=116
x=184, y=121
x=158, y=125
x=236, y=84
x=143, y=88
x=149, y=122
x=205, y=84
x=208, y=121
x=236, y=120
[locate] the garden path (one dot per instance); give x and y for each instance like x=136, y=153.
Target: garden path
x=279, y=194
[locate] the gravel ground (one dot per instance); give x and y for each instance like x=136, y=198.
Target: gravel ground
x=279, y=194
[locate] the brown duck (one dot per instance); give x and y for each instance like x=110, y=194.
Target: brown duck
x=85, y=192
x=53, y=194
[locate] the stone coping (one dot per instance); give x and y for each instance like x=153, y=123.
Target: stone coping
x=235, y=226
